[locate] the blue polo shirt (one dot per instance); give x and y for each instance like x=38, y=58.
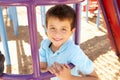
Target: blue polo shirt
x=67, y=53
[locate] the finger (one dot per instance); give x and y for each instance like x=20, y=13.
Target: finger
x=52, y=69
x=58, y=66
x=67, y=66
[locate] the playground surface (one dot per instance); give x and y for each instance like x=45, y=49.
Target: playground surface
x=94, y=43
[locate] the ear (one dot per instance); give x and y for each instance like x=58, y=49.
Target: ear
x=46, y=31
x=73, y=30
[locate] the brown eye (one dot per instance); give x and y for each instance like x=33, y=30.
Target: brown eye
x=64, y=29
x=52, y=28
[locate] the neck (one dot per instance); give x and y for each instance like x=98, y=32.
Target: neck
x=54, y=48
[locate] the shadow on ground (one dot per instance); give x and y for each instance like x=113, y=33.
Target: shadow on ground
x=96, y=46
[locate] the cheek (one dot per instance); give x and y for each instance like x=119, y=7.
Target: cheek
x=68, y=35
x=49, y=34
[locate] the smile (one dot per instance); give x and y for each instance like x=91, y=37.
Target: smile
x=57, y=39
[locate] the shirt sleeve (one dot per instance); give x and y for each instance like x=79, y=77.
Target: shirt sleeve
x=82, y=62
x=42, y=53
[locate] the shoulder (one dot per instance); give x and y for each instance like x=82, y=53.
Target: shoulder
x=75, y=50
x=72, y=46
x=45, y=43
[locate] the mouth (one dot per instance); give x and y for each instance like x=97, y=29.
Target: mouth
x=57, y=39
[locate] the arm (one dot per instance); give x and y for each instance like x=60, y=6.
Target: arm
x=43, y=67
x=62, y=71
x=91, y=76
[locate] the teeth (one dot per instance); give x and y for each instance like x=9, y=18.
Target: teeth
x=57, y=39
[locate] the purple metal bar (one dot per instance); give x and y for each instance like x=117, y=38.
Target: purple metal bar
x=33, y=38
x=77, y=35
x=28, y=76
x=31, y=5
x=108, y=26
x=16, y=77
x=14, y=2
x=36, y=2
x=55, y=2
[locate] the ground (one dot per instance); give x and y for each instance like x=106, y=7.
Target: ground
x=93, y=41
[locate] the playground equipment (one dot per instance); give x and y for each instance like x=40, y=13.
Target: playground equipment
x=92, y=6
x=13, y=16
x=42, y=10
x=4, y=38
x=31, y=5
x=111, y=14
x=12, y=12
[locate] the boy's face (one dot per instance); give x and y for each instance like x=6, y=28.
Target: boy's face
x=59, y=31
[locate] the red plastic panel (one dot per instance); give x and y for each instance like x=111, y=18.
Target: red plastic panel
x=113, y=21
x=93, y=5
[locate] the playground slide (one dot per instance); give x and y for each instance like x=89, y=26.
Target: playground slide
x=111, y=13
x=92, y=6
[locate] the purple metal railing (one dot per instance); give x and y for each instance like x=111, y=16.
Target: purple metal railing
x=31, y=11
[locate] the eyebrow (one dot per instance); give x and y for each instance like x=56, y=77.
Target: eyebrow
x=51, y=25
x=64, y=26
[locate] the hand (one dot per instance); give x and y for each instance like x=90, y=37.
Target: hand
x=62, y=71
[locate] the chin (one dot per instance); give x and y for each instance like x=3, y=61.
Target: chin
x=57, y=44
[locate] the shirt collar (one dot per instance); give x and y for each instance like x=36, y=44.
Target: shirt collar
x=62, y=48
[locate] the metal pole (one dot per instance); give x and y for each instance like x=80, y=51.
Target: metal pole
x=4, y=38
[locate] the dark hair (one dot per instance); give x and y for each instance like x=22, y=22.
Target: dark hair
x=62, y=12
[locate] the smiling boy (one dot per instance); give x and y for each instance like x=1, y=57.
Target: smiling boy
x=58, y=50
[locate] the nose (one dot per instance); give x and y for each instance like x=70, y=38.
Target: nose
x=57, y=33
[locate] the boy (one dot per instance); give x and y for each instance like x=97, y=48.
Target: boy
x=2, y=59
x=58, y=50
